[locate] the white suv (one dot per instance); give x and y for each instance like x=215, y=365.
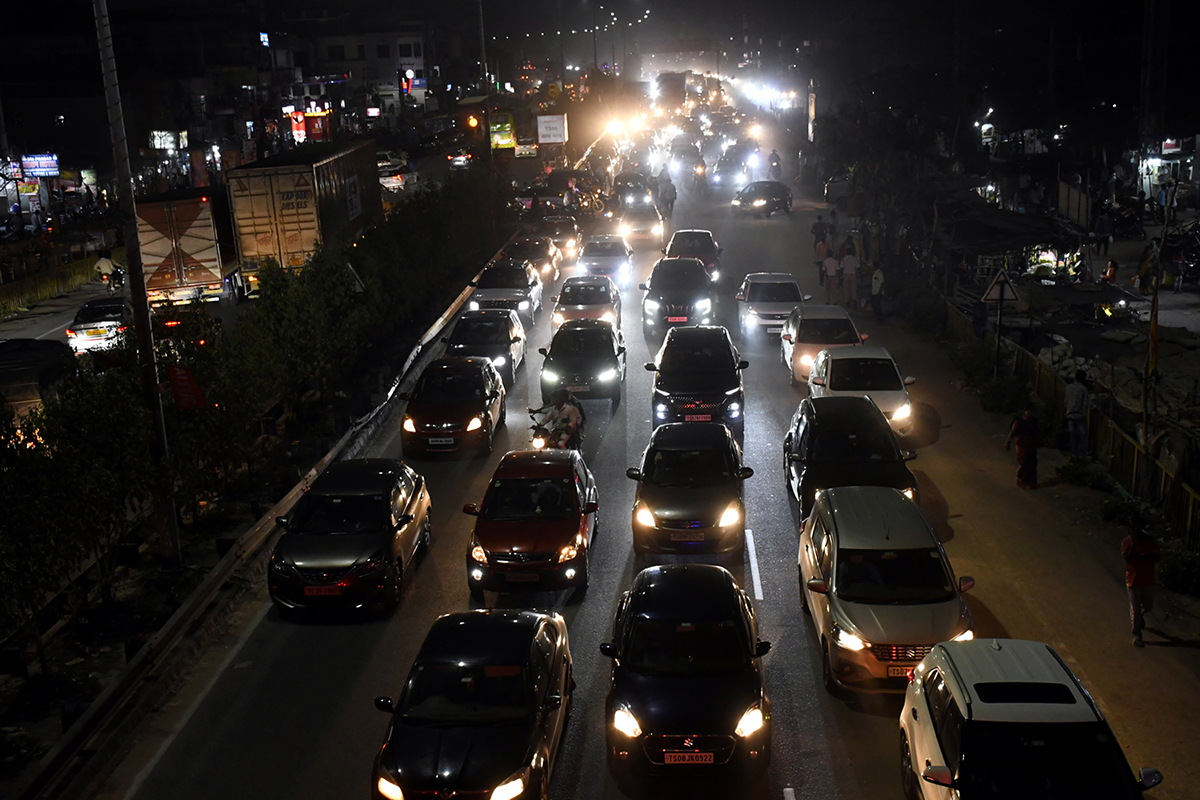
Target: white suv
x=1005, y=718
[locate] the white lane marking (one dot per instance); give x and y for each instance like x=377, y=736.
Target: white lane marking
x=758, y=595
x=789, y=793
x=55, y=329
x=141, y=777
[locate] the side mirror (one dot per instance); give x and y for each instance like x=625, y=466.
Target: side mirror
x=472, y=509
x=910, y=380
x=966, y=583
x=642, y=286
x=909, y=455
x=281, y=522
x=787, y=337
x=817, y=381
x=740, y=296
x=542, y=350
x=662, y=250
x=608, y=649
x=591, y=508
x=472, y=283
x=942, y=776
x=514, y=340
x=532, y=284
x=445, y=340
x=720, y=250
x=1149, y=777
x=865, y=336
x=745, y=472
x=495, y=393
x=554, y=298
x=743, y=364
x=817, y=585
x=795, y=458
x=621, y=350
x=403, y=520
x=650, y=367
x=807, y=297
x=761, y=649
x=553, y=701
x=405, y=395
x=385, y=705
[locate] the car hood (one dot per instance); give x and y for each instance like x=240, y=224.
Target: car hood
x=331, y=550
x=860, y=473
x=525, y=536
x=443, y=413
x=689, y=503
x=772, y=308
x=685, y=297
x=484, y=350
x=926, y=623
x=601, y=261
x=667, y=704
x=697, y=382
x=594, y=311
x=500, y=294
x=466, y=758
x=888, y=402
x=707, y=256
x=584, y=367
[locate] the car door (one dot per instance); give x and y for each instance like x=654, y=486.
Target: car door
x=550, y=663
x=787, y=339
x=619, y=351
x=822, y=555
x=926, y=744
x=535, y=290
x=796, y=446
x=818, y=376
x=493, y=384
x=404, y=536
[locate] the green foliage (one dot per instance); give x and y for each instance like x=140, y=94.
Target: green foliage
x=1121, y=510
x=1179, y=571
x=1084, y=472
x=976, y=361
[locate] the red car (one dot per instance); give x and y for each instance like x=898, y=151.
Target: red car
x=457, y=404
x=693, y=243
x=535, y=525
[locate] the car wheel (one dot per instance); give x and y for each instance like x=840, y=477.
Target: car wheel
x=475, y=592
x=908, y=777
x=803, y=595
x=616, y=397
x=285, y=612
x=427, y=532
x=503, y=412
x=792, y=377
x=396, y=589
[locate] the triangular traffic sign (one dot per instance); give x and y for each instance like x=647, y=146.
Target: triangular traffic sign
x=1000, y=289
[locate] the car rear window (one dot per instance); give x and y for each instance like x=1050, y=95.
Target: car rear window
x=99, y=314
x=1021, y=692
x=690, y=242
x=584, y=295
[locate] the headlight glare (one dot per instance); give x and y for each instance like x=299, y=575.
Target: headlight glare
x=759, y=203
x=499, y=361
x=848, y=641
x=909, y=493
x=388, y=789
x=750, y=722
x=509, y=790
x=479, y=554
x=475, y=424
x=549, y=376
x=657, y=230
x=608, y=317
x=965, y=636
x=567, y=553
x=523, y=305
x=473, y=305
x=409, y=425
x=704, y=306
x=558, y=318
x=730, y=516
x=806, y=360
x=607, y=375
x=903, y=412
x=645, y=517
x=626, y=723
x=624, y=230
x=651, y=305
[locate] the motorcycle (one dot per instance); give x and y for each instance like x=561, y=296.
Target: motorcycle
x=775, y=171
x=699, y=177
x=115, y=282
x=544, y=437
x=1127, y=226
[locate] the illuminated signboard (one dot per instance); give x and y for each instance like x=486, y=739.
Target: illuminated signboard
x=503, y=134
x=43, y=166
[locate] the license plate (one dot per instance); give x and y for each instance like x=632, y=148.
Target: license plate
x=521, y=577
x=97, y=332
x=322, y=591
x=687, y=536
x=579, y=388
x=697, y=417
x=898, y=672
x=442, y=440
x=687, y=758
x=774, y=330
x=676, y=319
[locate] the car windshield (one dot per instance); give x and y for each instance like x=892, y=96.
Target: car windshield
x=629, y=185
x=584, y=295
x=674, y=277
x=690, y=467
x=826, y=331
x=98, y=314
x=894, y=577
x=1043, y=761
x=697, y=358
x=681, y=647
x=556, y=229
x=773, y=293
x=641, y=215
x=604, y=249
x=444, y=386
x=513, y=499
x=466, y=694
x=503, y=278
x=836, y=445
x=527, y=251
x=355, y=513
x=570, y=343
x=864, y=375
x=690, y=243
x=481, y=332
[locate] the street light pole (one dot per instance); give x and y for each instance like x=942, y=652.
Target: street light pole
x=482, y=48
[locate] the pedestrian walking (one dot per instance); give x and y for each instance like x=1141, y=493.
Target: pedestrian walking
x=1140, y=551
x=819, y=231
x=877, y=291
x=1075, y=402
x=831, y=267
x=850, y=273
x=1104, y=230
x=821, y=251
x=833, y=224
x=1024, y=432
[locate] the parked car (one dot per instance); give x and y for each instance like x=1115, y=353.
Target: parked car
x=690, y=491
x=765, y=300
x=1008, y=718
x=870, y=371
x=843, y=441
x=698, y=244
x=698, y=378
x=808, y=330
x=688, y=696
x=457, y=404
x=493, y=333
x=609, y=255
x=563, y=231
x=539, y=251
x=535, y=524
x=587, y=358
x=837, y=190
x=351, y=537
x=98, y=324
x=879, y=587
x=482, y=712
x=510, y=284
x=762, y=197
x=678, y=292
x=587, y=297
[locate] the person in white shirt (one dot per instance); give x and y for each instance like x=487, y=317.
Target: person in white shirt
x=850, y=271
x=831, y=278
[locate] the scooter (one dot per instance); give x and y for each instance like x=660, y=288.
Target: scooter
x=115, y=282
x=1127, y=226
x=550, y=438
x=775, y=171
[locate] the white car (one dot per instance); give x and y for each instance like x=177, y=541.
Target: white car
x=879, y=587
x=1008, y=718
x=510, y=284
x=607, y=254
x=587, y=297
x=396, y=177
x=765, y=300
x=810, y=329
x=869, y=371
x=99, y=324
x=526, y=148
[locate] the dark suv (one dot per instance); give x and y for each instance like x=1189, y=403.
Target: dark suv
x=587, y=358
x=699, y=379
x=679, y=293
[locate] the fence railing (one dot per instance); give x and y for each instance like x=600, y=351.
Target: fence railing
x=1123, y=456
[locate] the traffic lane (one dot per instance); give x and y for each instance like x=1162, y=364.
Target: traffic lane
x=48, y=320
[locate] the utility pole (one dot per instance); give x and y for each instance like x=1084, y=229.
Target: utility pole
x=3, y=133
x=169, y=530
x=483, y=50
x=595, y=52
x=1146, y=85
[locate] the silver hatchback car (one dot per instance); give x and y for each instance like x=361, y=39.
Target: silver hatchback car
x=98, y=324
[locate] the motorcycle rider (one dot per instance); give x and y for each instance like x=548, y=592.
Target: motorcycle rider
x=700, y=174
x=775, y=171
x=104, y=265
x=562, y=418
x=666, y=196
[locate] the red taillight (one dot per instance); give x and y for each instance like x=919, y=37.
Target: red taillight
x=171, y=323
x=123, y=327
x=201, y=342
x=70, y=333
x=449, y=158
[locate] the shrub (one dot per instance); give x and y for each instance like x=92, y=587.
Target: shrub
x=1083, y=472
x=1179, y=571
x=976, y=361
x=1121, y=510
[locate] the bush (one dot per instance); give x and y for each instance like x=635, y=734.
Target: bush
x=1179, y=571
x=976, y=361
x=1084, y=472
x=1121, y=510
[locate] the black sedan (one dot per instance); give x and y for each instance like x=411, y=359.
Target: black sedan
x=587, y=358
x=842, y=441
x=483, y=711
x=350, y=538
x=687, y=695
x=762, y=197
x=689, y=496
x=679, y=293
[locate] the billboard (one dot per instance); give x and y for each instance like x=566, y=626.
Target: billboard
x=43, y=166
x=552, y=128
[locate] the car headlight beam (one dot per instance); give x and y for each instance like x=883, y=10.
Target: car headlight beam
x=509, y=789
x=626, y=723
x=903, y=412
x=549, y=376
x=806, y=360
x=409, y=425
x=558, y=318
x=479, y=554
x=645, y=517
x=388, y=788
x=965, y=636
x=848, y=641
x=499, y=361
x=704, y=306
x=607, y=375
x=730, y=516
x=475, y=424
x=651, y=306
x=750, y=722
x=567, y=553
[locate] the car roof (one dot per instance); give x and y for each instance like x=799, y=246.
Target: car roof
x=358, y=476
x=690, y=436
x=482, y=636
x=605, y=237
x=460, y=364
x=822, y=312
x=542, y=240
x=771, y=277
x=844, y=411
x=691, y=230
x=672, y=261
x=588, y=280
x=510, y=263
x=863, y=351
x=1015, y=661
x=535, y=464
x=697, y=333
x=697, y=591
x=876, y=518
x=490, y=314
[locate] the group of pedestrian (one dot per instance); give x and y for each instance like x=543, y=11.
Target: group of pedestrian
x=838, y=267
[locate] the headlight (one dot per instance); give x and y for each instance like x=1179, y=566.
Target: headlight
x=549, y=376
x=735, y=202
x=716, y=178
x=409, y=425
x=475, y=424
x=373, y=564
x=626, y=266
x=499, y=361
x=607, y=375
x=645, y=517
x=752, y=160
x=388, y=789
x=626, y=723
x=848, y=641
x=965, y=636
x=750, y=722
x=473, y=305
x=558, y=318
x=730, y=516
x=523, y=305
x=546, y=269
x=624, y=230
x=538, y=443
x=650, y=305
x=657, y=230
x=909, y=493
x=647, y=198
x=479, y=554
x=570, y=244
x=759, y=203
x=660, y=411
x=608, y=317
x=715, y=276
x=509, y=790
x=806, y=360
x=704, y=306
x=567, y=553
x=903, y=411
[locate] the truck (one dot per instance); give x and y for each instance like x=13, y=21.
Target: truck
x=285, y=206
x=670, y=91
x=188, y=253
